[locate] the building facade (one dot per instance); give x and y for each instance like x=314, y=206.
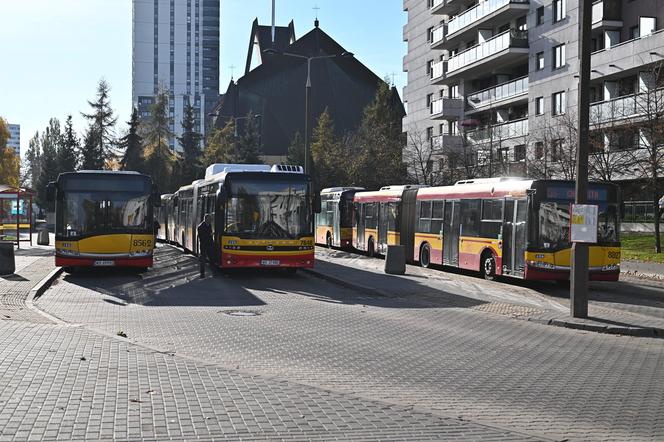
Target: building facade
x=14, y=141
x=492, y=85
x=176, y=49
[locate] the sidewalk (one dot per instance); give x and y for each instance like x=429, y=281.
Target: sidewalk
x=630, y=307
x=652, y=270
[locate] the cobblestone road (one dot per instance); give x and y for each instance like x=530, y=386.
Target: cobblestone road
x=446, y=357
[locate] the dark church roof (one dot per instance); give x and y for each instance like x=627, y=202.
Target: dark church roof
x=283, y=37
x=275, y=90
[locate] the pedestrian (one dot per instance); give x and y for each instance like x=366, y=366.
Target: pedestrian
x=204, y=231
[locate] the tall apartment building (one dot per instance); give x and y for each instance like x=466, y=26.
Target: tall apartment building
x=176, y=49
x=492, y=84
x=14, y=141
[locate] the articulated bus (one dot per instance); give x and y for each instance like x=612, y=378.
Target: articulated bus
x=498, y=226
x=163, y=215
x=103, y=218
x=334, y=223
x=378, y=217
x=262, y=215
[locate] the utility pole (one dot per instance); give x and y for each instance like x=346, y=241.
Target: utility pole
x=307, y=93
x=579, y=275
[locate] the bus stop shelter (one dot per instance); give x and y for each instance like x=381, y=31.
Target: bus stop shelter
x=16, y=220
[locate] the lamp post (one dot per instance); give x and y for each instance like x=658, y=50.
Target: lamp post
x=307, y=91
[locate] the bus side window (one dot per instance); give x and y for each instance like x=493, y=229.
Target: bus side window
x=470, y=217
x=437, y=217
x=424, y=224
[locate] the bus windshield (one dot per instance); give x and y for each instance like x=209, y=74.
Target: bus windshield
x=554, y=224
x=269, y=210
x=87, y=209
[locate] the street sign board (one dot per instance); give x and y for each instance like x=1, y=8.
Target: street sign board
x=584, y=223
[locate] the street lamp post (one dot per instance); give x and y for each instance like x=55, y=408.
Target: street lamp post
x=307, y=92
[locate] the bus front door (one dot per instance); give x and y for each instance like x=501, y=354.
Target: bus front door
x=382, y=228
x=451, y=233
x=359, y=220
x=508, y=237
x=336, y=224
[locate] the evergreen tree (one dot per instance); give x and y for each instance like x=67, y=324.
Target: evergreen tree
x=296, y=151
x=189, y=165
x=132, y=145
x=326, y=154
x=33, y=158
x=248, y=144
x=51, y=141
x=380, y=143
x=220, y=147
x=67, y=160
x=101, y=123
x=158, y=156
x=91, y=158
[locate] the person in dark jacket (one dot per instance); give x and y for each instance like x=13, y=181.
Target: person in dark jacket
x=204, y=232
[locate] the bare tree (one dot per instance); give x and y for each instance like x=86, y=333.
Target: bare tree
x=649, y=121
x=424, y=165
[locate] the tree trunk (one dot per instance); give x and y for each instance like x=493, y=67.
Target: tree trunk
x=655, y=195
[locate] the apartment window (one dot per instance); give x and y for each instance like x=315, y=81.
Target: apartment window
x=429, y=99
x=429, y=133
x=540, y=15
x=520, y=152
x=558, y=10
x=557, y=147
x=522, y=23
x=539, y=105
x=441, y=129
x=503, y=154
x=430, y=34
x=634, y=32
x=558, y=56
x=454, y=91
x=558, y=100
x=430, y=68
x=647, y=25
x=539, y=61
x=539, y=150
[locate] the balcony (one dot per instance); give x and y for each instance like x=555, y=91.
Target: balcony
x=606, y=14
x=505, y=93
x=628, y=107
x=502, y=51
x=446, y=141
x=446, y=108
x=628, y=57
x=438, y=71
x=499, y=132
x=488, y=14
x=445, y=6
x=438, y=36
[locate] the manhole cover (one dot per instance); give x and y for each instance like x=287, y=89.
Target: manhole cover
x=241, y=313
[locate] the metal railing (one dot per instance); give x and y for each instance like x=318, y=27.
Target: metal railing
x=438, y=34
x=627, y=106
x=437, y=105
x=490, y=47
x=476, y=13
x=622, y=43
x=497, y=132
x=438, y=69
x=639, y=212
x=502, y=91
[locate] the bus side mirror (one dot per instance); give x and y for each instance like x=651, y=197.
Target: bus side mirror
x=317, y=203
x=156, y=199
x=50, y=192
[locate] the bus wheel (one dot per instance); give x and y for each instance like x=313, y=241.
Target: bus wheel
x=328, y=241
x=371, y=251
x=425, y=256
x=488, y=266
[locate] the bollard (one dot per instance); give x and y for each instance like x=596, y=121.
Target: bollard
x=395, y=260
x=7, y=265
x=42, y=237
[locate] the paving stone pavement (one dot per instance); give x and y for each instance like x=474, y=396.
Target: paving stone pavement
x=445, y=357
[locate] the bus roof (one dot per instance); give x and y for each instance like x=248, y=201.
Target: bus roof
x=220, y=168
x=481, y=189
x=106, y=172
x=341, y=189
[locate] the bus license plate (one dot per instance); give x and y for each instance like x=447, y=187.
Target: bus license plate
x=104, y=263
x=270, y=262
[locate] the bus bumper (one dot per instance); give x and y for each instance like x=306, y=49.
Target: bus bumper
x=534, y=273
x=61, y=261
x=262, y=261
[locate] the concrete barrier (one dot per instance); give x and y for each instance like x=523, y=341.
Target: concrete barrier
x=7, y=264
x=395, y=260
x=42, y=237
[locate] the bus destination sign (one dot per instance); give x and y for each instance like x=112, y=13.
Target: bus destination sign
x=567, y=193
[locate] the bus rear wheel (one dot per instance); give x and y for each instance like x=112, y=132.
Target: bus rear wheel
x=425, y=256
x=488, y=266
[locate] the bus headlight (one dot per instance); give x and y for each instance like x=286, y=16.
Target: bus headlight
x=68, y=252
x=541, y=265
x=611, y=267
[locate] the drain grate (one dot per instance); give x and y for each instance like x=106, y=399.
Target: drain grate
x=502, y=308
x=240, y=313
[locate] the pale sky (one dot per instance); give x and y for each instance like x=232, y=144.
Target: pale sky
x=55, y=51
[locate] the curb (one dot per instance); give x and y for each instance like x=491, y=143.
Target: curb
x=641, y=332
x=350, y=285
x=39, y=290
